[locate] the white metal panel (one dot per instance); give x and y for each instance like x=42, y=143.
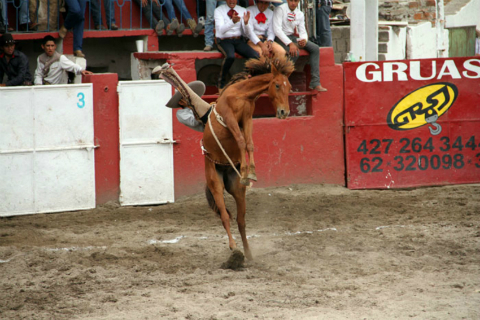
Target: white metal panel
x=146, y=137
x=46, y=149
x=16, y=184
x=16, y=119
x=68, y=110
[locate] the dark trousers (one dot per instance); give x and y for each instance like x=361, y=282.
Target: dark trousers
x=228, y=47
x=324, y=33
x=153, y=13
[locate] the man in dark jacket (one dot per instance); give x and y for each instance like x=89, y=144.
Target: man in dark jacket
x=13, y=63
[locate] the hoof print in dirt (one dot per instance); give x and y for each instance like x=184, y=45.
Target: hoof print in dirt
x=235, y=262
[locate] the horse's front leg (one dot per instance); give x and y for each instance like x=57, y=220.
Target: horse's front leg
x=248, y=130
x=232, y=125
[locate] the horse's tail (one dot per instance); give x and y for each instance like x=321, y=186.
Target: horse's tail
x=212, y=203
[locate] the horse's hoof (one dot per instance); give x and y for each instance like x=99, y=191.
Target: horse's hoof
x=235, y=262
x=245, y=181
x=252, y=176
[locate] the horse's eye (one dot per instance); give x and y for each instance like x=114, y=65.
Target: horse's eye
x=277, y=86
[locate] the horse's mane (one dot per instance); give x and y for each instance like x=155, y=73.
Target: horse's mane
x=263, y=65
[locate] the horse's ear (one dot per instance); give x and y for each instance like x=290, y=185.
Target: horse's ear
x=274, y=69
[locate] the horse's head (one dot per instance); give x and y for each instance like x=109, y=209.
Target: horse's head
x=278, y=91
x=280, y=87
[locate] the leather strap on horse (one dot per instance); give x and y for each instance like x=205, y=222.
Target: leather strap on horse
x=218, y=142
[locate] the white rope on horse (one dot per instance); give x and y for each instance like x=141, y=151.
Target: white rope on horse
x=217, y=116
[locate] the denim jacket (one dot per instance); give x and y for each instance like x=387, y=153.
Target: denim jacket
x=16, y=69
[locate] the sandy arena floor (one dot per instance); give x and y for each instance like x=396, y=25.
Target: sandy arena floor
x=320, y=252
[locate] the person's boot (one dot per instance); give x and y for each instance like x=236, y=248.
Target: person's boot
x=78, y=53
x=159, y=27
x=172, y=26
x=180, y=29
x=193, y=26
x=62, y=32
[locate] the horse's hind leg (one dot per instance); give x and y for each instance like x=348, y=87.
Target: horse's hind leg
x=237, y=190
x=215, y=186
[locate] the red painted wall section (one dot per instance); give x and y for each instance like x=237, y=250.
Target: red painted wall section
x=412, y=122
x=106, y=133
x=307, y=149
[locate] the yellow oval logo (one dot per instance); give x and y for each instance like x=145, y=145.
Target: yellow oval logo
x=422, y=106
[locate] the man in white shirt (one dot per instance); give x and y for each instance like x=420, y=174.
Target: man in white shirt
x=261, y=24
x=230, y=29
x=52, y=66
x=287, y=21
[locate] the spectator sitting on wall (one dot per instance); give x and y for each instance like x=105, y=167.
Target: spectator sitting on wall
x=286, y=19
x=153, y=13
x=231, y=25
x=210, y=20
x=182, y=8
x=261, y=25
x=13, y=63
x=96, y=10
x=210, y=23
x=75, y=20
x=52, y=67
x=324, y=33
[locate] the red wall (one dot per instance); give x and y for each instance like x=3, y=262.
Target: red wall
x=307, y=149
x=300, y=149
x=106, y=133
x=389, y=140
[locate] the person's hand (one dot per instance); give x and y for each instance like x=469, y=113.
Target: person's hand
x=158, y=3
x=302, y=43
x=144, y=3
x=264, y=47
x=85, y=72
x=235, y=17
x=293, y=49
x=246, y=17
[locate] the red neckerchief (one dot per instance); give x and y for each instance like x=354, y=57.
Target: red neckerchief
x=231, y=12
x=261, y=18
x=291, y=16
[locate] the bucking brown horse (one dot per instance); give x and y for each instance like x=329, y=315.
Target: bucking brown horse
x=227, y=138
x=235, y=107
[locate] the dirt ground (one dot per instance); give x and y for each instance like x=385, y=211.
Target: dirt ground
x=320, y=252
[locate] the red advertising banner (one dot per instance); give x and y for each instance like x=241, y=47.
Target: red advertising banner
x=412, y=122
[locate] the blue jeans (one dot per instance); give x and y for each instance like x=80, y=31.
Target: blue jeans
x=181, y=7
x=96, y=10
x=324, y=33
x=23, y=17
x=210, y=20
x=76, y=20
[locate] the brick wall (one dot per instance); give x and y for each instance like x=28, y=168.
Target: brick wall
x=340, y=42
x=412, y=11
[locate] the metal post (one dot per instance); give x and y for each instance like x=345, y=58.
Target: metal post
x=364, y=30
x=440, y=28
